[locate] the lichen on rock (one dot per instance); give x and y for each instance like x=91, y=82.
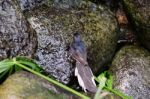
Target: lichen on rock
x=16, y=35
x=130, y=69
x=24, y=85
x=55, y=24
x=139, y=12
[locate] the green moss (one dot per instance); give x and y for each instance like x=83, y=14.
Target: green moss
x=130, y=68
x=138, y=11
x=23, y=85
x=97, y=27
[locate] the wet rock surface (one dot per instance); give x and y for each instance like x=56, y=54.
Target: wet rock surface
x=139, y=11
x=55, y=24
x=16, y=36
x=24, y=85
x=130, y=69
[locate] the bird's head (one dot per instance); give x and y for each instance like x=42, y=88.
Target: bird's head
x=77, y=37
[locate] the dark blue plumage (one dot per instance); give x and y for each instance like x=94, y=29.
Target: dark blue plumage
x=82, y=70
x=78, y=49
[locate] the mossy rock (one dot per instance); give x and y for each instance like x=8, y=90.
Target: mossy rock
x=55, y=24
x=139, y=12
x=130, y=69
x=24, y=85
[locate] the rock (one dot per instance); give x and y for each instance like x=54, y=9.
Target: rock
x=24, y=85
x=139, y=11
x=55, y=24
x=29, y=4
x=16, y=36
x=131, y=70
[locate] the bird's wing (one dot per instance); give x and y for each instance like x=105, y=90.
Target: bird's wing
x=76, y=54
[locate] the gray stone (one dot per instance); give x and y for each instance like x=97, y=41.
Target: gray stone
x=139, y=12
x=51, y=33
x=131, y=70
x=16, y=36
x=55, y=24
x=24, y=85
x=29, y=4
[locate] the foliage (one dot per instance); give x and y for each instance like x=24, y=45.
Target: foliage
x=105, y=79
x=8, y=66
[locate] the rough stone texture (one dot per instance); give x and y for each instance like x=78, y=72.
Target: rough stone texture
x=51, y=52
x=29, y=4
x=24, y=85
x=139, y=11
x=131, y=70
x=16, y=36
x=55, y=24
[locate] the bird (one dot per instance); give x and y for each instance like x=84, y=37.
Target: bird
x=82, y=70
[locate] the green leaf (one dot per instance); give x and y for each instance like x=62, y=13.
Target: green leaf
x=29, y=62
x=102, y=80
x=10, y=70
x=105, y=80
x=5, y=65
x=109, y=82
x=17, y=68
x=3, y=73
x=3, y=69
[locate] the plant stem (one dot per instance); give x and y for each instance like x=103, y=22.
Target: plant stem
x=51, y=80
x=97, y=95
x=117, y=93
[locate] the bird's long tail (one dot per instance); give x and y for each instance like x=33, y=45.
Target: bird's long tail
x=85, y=77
